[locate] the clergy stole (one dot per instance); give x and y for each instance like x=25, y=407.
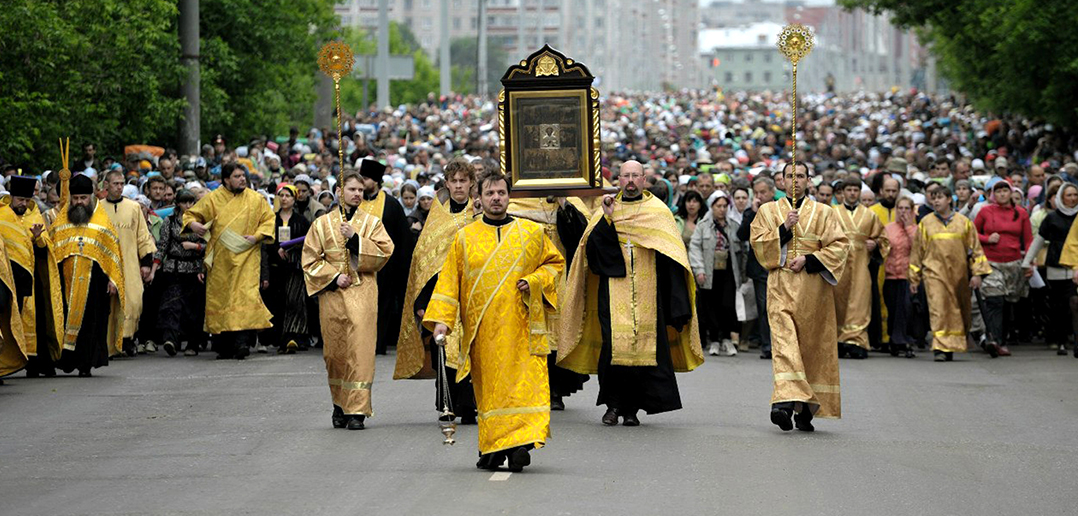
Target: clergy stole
x=503, y=333
x=22, y=250
x=885, y=216
x=546, y=214
x=800, y=305
x=644, y=227
x=942, y=258
x=347, y=315
x=135, y=242
x=853, y=295
x=233, y=265
x=413, y=358
x=78, y=248
x=12, y=341
x=1069, y=256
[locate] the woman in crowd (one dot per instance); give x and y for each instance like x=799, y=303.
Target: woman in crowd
x=287, y=296
x=409, y=193
x=419, y=216
x=1063, y=321
x=690, y=210
x=896, y=286
x=716, y=260
x=183, y=294
x=1005, y=234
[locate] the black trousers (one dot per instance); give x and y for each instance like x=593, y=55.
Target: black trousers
x=896, y=294
x=759, y=287
x=995, y=311
x=227, y=343
x=1063, y=327
x=182, y=309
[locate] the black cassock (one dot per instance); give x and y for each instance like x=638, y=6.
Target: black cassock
x=571, y=225
x=91, y=346
x=652, y=389
x=393, y=278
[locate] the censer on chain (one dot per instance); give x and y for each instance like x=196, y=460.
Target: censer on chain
x=446, y=425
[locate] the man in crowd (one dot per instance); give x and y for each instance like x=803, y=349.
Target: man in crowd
x=805, y=250
x=889, y=187
x=825, y=194
x=341, y=255
x=137, y=247
x=13, y=346
x=763, y=189
x=393, y=278
x=92, y=272
x=415, y=359
x=37, y=279
x=500, y=282
x=632, y=265
x=853, y=295
x=236, y=219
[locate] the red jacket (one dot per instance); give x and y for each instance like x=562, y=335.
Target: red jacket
x=1015, y=233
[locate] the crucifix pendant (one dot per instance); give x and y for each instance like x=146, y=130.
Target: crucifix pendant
x=81, y=244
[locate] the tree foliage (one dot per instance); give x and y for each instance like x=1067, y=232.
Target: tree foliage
x=464, y=54
x=108, y=72
x=401, y=42
x=1008, y=56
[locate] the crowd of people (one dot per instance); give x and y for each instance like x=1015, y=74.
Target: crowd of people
x=956, y=231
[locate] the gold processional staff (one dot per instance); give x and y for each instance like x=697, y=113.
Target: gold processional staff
x=795, y=42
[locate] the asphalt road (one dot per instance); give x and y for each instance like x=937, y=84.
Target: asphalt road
x=187, y=436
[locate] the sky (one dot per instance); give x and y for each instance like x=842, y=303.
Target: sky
x=809, y=2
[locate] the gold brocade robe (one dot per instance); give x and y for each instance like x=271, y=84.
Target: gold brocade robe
x=503, y=341
x=942, y=257
x=413, y=357
x=78, y=248
x=12, y=341
x=1069, y=256
x=135, y=242
x=546, y=214
x=233, y=265
x=347, y=315
x=21, y=246
x=886, y=216
x=649, y=227
x=801, y=306
x=853, y=295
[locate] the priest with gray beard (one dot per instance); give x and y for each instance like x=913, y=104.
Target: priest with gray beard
x=91, y=271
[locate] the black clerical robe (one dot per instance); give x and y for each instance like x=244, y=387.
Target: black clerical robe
x=393, y=278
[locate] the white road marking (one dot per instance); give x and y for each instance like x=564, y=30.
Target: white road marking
x=500, y=476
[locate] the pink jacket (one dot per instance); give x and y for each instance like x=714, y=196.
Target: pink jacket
x=898, y=261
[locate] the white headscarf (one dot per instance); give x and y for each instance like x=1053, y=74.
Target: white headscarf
x=1060, y=207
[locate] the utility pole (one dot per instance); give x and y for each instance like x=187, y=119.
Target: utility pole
x=445, y=83
x=189, y=49
x=481, y=86
x=521, y=48
x=383, y=53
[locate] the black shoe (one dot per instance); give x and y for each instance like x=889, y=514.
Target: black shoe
x=630, y=419
x=909, y=353
x=170, y=348
x=992, y=349
x=1062, y=351
x=224, y=356
x=896, y=349
x=85, y=373
x=355, y=423
x=242, y=353
x=781, y=417
x=129, y=348
x=765, y=355
x=491, y=461
x=31, y=372
x=843, y=350
x=856, y=352
x=339, y=421
x=519, y=458
x=948, y=356
x=937, y=356
x=611, y=417
x=469, y=419
x=556, y=403
x=803, y=420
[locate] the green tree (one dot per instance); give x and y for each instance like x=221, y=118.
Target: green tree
x=464, y=55
x=103, y=71
x=401, y=42
x=1008, y=56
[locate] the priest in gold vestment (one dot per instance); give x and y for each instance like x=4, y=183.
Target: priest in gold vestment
x=946, y=257
x=415, y=357
x=236, y=219
x=629, y=309
x=340, y=261
x=853, y=295
x=13, y=346
x=500, y=279
x=137, y=247
x=37, y=279
x=804, y=249
x=92, y=276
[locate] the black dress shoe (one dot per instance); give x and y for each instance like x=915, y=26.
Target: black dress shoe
x=339, y=421
x=765, y=355
x=355, y=423
x=856, y=352
x=469, y=419
x=519, y=458
x=630, y=419
x=843, y=350
x=85, y=373
x=803, y=420
x=948, y=356
x=242, y=352
x=909, y=353
x=491, y=461
x=31, y=373
x=611, y=417
x=781, y=418
x=556, y=403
